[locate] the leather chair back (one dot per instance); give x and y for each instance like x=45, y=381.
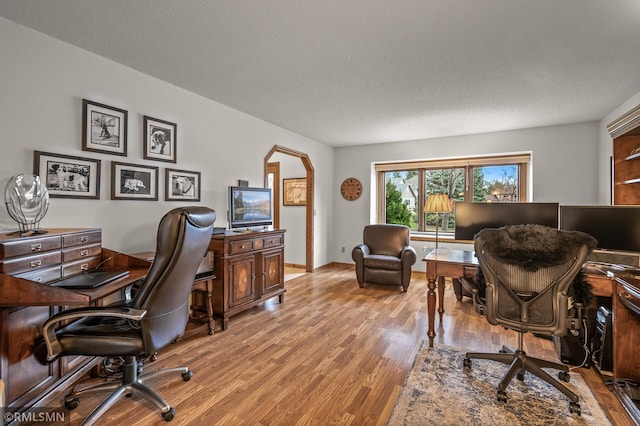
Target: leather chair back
x=387, y=240
x=183, y=237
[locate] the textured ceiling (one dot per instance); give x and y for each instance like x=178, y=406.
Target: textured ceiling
x=348, y=72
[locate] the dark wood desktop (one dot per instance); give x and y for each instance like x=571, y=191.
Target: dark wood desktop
x=620, y=284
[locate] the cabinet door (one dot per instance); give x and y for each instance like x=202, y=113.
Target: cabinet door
x=242, y=277
x=25, y=377
x=272, y=267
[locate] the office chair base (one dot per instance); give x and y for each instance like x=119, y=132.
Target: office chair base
x=130, y=385
x=520, y=363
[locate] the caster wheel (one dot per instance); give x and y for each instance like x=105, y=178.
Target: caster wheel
x=520, y=377
x=187, y=376
x=564, y=376
x=168, y=416
x=502, y=396
x=502, y=351
x=210, y=332
x=72, y=403
x=466, y=363
x=575, y=408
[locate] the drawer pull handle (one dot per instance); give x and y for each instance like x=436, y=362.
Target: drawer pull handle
x=36, y=263
x=84, y=252
x=84, y=267
x=36, y=247
x=84, y=238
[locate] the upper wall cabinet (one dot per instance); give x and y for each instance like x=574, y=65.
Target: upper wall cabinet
x=626, y=158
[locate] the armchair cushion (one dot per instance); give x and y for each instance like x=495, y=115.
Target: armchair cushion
x=379, y=261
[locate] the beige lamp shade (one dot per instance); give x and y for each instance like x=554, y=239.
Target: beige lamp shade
x=437, y=203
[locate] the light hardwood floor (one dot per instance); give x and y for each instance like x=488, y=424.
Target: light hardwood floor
x=331, y=354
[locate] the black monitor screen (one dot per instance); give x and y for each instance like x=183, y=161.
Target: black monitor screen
x=471, y=218
x=615, y=227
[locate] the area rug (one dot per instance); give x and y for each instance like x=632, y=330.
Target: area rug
x=439, y=391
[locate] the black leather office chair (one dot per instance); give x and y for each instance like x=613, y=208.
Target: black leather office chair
x=156, y=316
x=527, y=270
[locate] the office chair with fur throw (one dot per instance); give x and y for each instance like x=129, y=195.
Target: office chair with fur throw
x=155, y=317
x=527, y=271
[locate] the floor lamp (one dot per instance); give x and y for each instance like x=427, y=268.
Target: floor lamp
x=437, y=203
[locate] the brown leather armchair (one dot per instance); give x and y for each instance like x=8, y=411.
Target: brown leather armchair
x=385, y=256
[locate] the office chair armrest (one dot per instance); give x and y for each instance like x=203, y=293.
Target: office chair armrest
x=49, y=331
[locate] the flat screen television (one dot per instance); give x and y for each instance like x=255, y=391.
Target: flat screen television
x=473, y=217
x=250, y=207
x=616, y=228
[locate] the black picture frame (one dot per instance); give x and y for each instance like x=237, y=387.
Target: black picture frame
x=68, y=176
x=182, y=185
x=104, y=128
x=134, y=182
x=159, y=139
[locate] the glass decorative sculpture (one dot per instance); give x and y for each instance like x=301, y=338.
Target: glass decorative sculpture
x=27, y=202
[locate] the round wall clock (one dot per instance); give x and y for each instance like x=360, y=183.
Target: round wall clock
x=351, y=189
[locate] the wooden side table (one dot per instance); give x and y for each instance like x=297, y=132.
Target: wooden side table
x=203, y=283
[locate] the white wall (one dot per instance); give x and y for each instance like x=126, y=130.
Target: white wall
x=564, y=162
x=43, y=83
x=606, y=147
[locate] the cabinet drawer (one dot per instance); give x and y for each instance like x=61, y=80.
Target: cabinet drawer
x=82, y=252
x=276, y=240
x=79, y=266
x=78, y=238
x=44, y=275
x=30, y=246
x=30, y=263
x=243, y=246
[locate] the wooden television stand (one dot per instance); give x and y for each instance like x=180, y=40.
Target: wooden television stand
x=249, y=269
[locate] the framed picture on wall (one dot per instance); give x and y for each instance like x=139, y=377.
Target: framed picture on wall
x=182, y=185
x=294, y=192
x=159, y=139
x=67, y=176
x=133, y=182
x=104, y=128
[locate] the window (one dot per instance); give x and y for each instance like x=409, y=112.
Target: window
x=404, y=187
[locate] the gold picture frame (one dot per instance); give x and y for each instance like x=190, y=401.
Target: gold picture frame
x=294, y=192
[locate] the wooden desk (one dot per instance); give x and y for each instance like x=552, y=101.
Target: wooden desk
x=25, y=304
x=443, y=263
